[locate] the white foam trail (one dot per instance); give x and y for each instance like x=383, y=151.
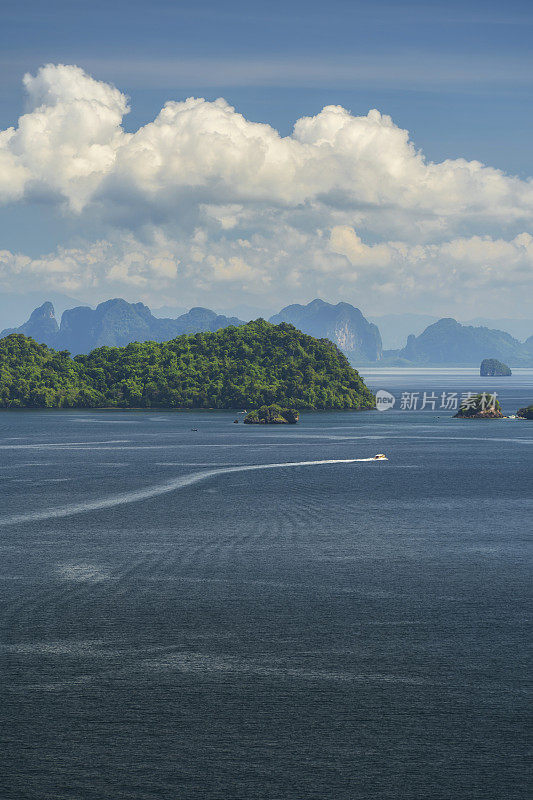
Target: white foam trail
x=162, y=488
x=58, y=445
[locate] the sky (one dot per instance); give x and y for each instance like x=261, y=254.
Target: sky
x=246, y=155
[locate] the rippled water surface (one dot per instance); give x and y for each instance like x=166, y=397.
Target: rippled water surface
x=174, y=627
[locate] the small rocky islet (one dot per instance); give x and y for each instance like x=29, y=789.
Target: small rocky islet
x=492, y=368
x=272, y=415
x=487, y=406
x=480, y=406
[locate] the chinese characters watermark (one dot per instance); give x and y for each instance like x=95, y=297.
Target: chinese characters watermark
x=430, y=401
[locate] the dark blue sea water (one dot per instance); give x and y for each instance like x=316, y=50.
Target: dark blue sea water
x=173, y=629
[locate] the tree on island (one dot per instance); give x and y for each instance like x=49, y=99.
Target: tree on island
x=480, y=406
x=272, y=415
x=491, y=367
x=525, y=413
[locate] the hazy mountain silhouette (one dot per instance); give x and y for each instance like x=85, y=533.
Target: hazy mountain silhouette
x=114, y=323
x=344, y=324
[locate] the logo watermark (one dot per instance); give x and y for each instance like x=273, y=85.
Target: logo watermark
x=431, y=401
x=384, y=400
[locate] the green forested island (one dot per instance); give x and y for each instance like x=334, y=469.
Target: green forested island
x=272, y=415
x=492, y=367
x=481, y=406
x=251, y=365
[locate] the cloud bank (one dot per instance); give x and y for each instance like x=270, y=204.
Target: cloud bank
x=202, y=201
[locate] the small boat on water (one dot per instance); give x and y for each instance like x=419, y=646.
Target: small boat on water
x=380, y=457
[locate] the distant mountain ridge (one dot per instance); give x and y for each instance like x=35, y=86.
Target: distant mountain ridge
x=343, y=324
x=17, y=306
x=41, y=326
x=114, y=323
x=448, y=343
x=395, y=328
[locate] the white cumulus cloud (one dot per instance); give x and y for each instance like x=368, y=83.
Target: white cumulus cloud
x=284, y=267
x=202, y=200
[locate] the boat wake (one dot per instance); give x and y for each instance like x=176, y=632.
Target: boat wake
x=161, y=488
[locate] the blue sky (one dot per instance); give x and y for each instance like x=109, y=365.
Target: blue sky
x=457, y=76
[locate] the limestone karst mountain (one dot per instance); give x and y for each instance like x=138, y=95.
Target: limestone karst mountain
x=344, y=324
x=447, y=342
x=114, y=323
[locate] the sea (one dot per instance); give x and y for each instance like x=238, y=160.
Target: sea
x=194, y=608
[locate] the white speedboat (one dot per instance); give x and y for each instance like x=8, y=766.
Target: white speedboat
x=380, y=457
